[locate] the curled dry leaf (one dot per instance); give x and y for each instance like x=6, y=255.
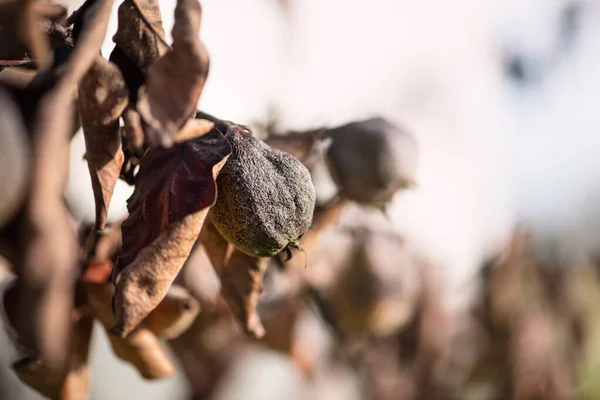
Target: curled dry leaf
x=141, y=348
x=47, y=269
x=174, y=82
x=14, y=159
x=208, y=349
x=75, y=384
x=193, y=129
x=143, y=284
x=133, y=129
x=241, y=285
x=216, y=246
x=20, y=34
x=199, y=276
x=103, y=96
x=140, y=34
x=174, y=314
x=174, y=189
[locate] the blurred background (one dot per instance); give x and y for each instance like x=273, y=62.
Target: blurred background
x=502, y=96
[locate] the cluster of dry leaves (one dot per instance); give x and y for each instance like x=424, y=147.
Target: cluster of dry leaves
x=149, y=276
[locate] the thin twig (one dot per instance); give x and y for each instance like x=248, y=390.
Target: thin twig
x=79, y=12
x=26, y=63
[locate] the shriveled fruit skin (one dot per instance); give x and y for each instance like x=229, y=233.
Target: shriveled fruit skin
x=371, y=160
x=265, y=196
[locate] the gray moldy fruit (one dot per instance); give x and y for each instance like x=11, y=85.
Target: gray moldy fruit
x=371, y=160
x=265, y=197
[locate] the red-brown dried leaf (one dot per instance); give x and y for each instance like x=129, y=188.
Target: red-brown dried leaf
x=175, y=81
x=174, y=189
x=241, y=285
x=171, y=184
x=103, y=96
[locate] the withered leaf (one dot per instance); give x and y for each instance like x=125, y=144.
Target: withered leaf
x=216, y=246
x=193, y=129
x=141, y=348
x=103, y=96
x=75, y=384
x=133, y=129
x=175, y=81
x=171, y=184
x=20, y=33
x=174, y=314
x=241, y=285
x=143, y=284
x=14, y=159
x=140, y=34
x=47, y=270
x=174, y=189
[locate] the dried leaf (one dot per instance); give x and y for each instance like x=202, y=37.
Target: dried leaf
x=209, y=349
x=143, y=284
x=140, y=35
x=141, y=348
x=20, y=34
x=14, y=159
x=171, y=184
x=174, y=314
x=48, y=267
x=199, y=276
x=174, y=82
x=241, y=285
x=174, y=189
x=73, y=386
x=133, y=129
x=378, y=291
x=193, y=129
x=217, y=248
x=103, y=96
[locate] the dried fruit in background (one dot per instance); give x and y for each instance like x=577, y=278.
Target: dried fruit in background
x=266, y=197
x=174, y=81
x=174, y=189
x=371, y=160
x=103, y=96
x=378, y=292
